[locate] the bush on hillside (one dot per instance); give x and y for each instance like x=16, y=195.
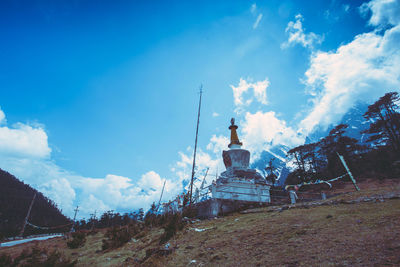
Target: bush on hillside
x=174, y=223
x=37, y=257
x=118, y=236
x=78, y=240
x=189, y=212
x=5, y=260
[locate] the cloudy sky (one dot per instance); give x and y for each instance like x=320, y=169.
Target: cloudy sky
x=98, y=99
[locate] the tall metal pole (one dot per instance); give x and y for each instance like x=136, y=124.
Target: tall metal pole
x=27, y=215
x=195, y=147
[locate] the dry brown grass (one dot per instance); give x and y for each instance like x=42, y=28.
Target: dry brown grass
x=366, y=234
x=362, y=234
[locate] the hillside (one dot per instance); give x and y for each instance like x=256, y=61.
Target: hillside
x=15, y=198
x=352, y=229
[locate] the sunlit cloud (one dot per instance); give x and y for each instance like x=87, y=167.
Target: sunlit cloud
x=243, y=97
x=23, y=140
x=297, y=35
x=259, y=17
x=383, y=12
x=24, y=152
x=363, y=69
x=262, y=130
x=253, y=8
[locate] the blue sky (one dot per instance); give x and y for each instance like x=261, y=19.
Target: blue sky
x=99, y=98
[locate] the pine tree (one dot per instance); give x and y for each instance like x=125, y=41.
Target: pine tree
x=141, y=214
x=385, y=126
x=269, y=172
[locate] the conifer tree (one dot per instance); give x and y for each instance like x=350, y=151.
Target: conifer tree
x=385, y=126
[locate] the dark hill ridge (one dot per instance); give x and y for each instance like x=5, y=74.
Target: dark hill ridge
x=15, y=198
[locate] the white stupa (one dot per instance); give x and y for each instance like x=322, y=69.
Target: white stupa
x=239, y=182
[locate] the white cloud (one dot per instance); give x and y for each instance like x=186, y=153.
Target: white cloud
x=25, y=153
x=263, y=130
x=384, y=12
x=239, y=91
x=218, y=144
x=2, y=117
x=60, y=191
x=297, y=35
x=183, y=168
x=90, y=205
x=346, y=8
x=259, y=92
x=259, y=17
x=112, y=192
x=253, y=8
x=23, y=140
x=150, y=181
x=363, y=69
x=215, y=114
x=45, y=176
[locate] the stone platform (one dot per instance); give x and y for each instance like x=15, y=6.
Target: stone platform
x=241, y=189
x=217, y=207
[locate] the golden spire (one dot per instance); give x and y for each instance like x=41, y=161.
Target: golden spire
x=234, y=137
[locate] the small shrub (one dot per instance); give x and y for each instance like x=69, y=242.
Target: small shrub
x=5, y=260
x=117, y=237
x=78, y=240
x=154, y=257
x=189, y=212
x=24, y=255
x=56, y=259
x=174, y=223
x=92, y=232
x=37, y=257
x=136, y=228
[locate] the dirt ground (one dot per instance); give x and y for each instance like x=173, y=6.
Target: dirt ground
x=365, y=233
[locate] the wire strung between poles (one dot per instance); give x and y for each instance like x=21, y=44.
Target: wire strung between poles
x=48, y=228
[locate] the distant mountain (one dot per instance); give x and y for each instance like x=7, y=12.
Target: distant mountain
x=354, y=118
x=15, y=198
x=278, y=155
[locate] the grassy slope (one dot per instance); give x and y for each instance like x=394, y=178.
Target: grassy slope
x=362, y=234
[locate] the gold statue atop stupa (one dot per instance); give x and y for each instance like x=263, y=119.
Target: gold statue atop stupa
x=235, y=143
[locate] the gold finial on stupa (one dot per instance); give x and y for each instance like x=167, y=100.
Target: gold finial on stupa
x=235, y=143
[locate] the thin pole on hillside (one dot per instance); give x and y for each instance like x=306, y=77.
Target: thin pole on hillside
x=204, y=179
x=27, y=215
x=162, y=191
x=348, y=171
x=73, y=224
x=195, y=147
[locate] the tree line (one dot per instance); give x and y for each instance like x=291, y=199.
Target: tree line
x=378, y=157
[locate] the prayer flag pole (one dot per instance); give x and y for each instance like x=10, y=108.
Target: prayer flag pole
x=348, y=171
